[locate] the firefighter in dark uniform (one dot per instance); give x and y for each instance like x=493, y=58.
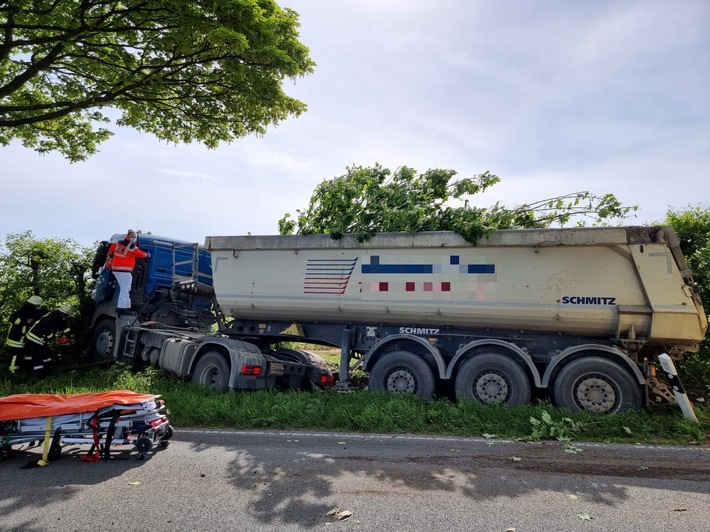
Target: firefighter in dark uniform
x=20, y=322
x=45, y=329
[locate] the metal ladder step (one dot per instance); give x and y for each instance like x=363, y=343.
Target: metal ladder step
x=129, y=347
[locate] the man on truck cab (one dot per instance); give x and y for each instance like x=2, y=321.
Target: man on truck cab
x=121, y=260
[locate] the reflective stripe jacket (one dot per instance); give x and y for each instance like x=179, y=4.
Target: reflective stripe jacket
x=122, y=256
x=47, y=327
x=20, y=321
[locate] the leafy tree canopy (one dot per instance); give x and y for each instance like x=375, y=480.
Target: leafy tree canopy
x=692, y=226
x=54, y=269
x=183, y=70
x=51, y=268
x=367, y=200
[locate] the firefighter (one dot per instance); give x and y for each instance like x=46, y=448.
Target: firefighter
x=45, y=329
x=20, y=321
x=121, y=260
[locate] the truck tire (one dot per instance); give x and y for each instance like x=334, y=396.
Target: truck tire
x=597, y=385
x=402, y=372
x=103, y=340
x=492, y=378
x=212, y=370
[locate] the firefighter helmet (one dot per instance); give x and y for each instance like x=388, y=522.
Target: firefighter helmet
x=36, y=301
x=66, y=309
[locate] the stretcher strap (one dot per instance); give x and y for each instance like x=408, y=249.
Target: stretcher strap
x=45, y=448
x=109, y=433
x=93, y=424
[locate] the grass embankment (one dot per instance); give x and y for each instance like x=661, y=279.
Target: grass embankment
x=192, y=405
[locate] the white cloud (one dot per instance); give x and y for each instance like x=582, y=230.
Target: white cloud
x=189, y=175
x=261, y=157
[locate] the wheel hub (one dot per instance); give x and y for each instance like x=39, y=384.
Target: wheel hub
x=104, y=341
x=401, y=381
x=596, y=395
x=213, y=376
x=492, y=388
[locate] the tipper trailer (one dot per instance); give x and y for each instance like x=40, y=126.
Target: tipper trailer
x=581, y=314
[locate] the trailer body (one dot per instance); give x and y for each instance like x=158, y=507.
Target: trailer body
x=522, y=310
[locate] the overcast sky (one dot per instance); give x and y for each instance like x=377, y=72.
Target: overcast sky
x=552, y=96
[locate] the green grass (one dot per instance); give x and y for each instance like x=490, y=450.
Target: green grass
x=192, y=405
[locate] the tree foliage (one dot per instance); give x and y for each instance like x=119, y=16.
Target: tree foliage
x=367, y=200
x=53, y=269
x=183, y=70
x=692, y=225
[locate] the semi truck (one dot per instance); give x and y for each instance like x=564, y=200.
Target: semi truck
x=578, y=314
x=176, y=324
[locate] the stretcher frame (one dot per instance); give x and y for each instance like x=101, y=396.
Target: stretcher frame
x=141, y=424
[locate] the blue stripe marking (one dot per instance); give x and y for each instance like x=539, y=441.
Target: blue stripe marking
x=397, y=268
x=481, y=268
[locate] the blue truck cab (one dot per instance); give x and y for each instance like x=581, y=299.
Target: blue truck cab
x=173, y=287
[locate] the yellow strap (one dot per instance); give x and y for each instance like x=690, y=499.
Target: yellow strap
x=45, y=449
x=13, y=367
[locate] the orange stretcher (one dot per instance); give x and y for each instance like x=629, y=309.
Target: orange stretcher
x=102, y=420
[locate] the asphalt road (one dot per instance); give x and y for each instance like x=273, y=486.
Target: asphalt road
x=258, y=481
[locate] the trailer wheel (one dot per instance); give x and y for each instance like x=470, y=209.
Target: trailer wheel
x=102, y=340
x=597, y=385
x=212, y=370
x=491, y=378
x=402, y=372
